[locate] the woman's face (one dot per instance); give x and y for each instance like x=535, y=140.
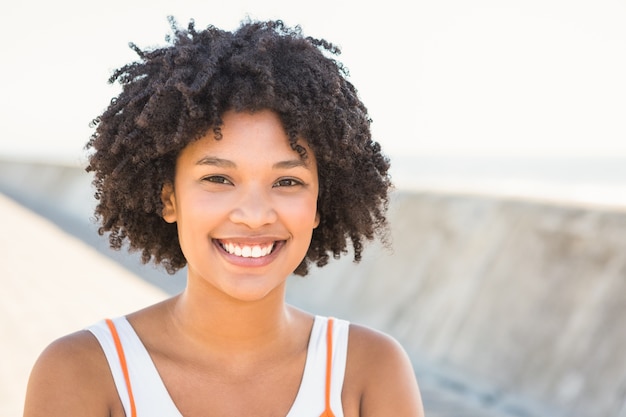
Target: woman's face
x=245, y=206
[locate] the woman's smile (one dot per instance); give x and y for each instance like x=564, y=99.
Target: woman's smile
x=249, y=255
x=247, y=250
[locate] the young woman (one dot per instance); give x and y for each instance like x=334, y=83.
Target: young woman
x=244, y=156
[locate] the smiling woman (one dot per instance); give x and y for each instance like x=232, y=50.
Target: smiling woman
x=245, y=156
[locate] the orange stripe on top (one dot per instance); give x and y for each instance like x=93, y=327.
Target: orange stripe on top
x=122, y=357
x=328, y=412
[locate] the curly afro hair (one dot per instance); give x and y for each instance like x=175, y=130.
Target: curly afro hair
x=175, y=94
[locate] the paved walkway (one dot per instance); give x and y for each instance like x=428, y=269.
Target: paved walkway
x=53, y=284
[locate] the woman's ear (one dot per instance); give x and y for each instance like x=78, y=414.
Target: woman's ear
x=168, y=198
x=317, y=220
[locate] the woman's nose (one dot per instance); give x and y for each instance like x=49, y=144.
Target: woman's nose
x=254, y=208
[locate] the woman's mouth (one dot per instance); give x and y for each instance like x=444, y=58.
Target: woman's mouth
x=247, y=250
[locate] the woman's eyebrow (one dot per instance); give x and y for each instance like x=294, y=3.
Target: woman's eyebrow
x=225, y=163
x=292, y=163
x=218, y=162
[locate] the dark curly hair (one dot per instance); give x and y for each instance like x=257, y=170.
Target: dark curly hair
x=174, y=94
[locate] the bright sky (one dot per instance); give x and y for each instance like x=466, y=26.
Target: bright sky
x=449, y=77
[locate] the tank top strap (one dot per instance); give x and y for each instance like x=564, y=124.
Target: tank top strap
x=137, y=380
x=324, y=371
x=123, y=365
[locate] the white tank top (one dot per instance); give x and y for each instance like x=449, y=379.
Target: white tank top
x=153, y=400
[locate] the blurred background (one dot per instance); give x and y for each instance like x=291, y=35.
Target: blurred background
x=504, y=121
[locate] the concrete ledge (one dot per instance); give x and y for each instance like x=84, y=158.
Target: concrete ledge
x=522, y=301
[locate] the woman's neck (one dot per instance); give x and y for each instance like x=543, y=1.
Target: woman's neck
x=210, y=318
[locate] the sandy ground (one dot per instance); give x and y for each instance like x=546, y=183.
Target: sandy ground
x=52, y=284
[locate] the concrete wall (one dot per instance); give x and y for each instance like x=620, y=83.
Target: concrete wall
x=524, y=302
x=518, y=302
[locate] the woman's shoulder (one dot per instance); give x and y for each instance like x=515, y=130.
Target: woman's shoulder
x=71, y=378
x=380, y=373
x=366, y=341
x=382, y=354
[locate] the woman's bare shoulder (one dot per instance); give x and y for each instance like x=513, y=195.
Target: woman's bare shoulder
x=380, y=371
x=71, y=377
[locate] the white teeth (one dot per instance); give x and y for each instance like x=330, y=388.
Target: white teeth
x=245, y=251
x=256, y=252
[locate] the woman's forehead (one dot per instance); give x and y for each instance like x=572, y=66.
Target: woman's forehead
x=253, y=135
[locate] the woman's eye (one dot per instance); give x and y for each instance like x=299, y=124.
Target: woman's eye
x=217, y=179
x=287, y=182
